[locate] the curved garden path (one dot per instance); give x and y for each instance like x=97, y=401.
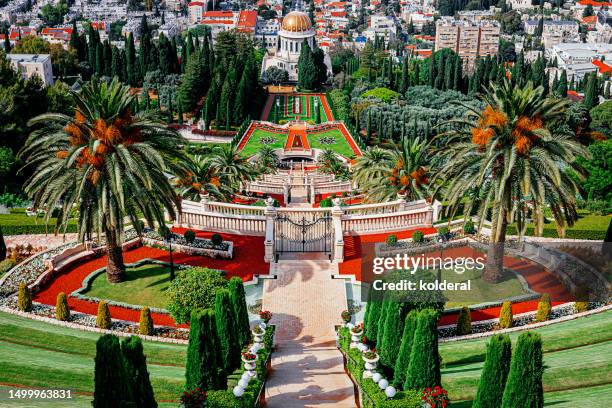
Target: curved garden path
x=248, y=251
x=307, y=368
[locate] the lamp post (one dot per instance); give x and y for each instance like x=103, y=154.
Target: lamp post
x=169, y=239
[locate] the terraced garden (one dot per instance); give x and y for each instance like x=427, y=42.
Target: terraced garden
x=286, y=106
x=331, y=139
x=576, y=356
x=260, y=138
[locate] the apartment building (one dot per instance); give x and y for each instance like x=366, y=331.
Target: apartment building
x=29, y=65
x=469, y=39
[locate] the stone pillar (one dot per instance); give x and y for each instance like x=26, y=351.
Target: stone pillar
x=436, y=211
x=204, y=202
x=401, y=198
x=286, y=192
x=271, y=215
x=337, y=213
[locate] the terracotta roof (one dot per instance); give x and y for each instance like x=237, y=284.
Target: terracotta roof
x=595, y=3
x=574, y=96
x=211, y=22
x=602, y=67
x=213, y=14
x=247, y=19
x=196, y=3
x=589, y=20
x=338, y=13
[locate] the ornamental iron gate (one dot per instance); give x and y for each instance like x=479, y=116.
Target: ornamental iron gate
x=303, y=235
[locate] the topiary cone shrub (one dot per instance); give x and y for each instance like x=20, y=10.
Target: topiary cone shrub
x=524, y=386
x=417, y=236
x=216, y=239
x=464, y=322
x=189, y=236
x=24, y=298
x=62, y=311
x=424, y=366
x=581, y=306
x=403, y=357
x=103, y=320
x=111, y=381
x=505, y=316
x=468, y=227
x=392, y=240
x=146, y=322
x=544, y=308
x=494, y=373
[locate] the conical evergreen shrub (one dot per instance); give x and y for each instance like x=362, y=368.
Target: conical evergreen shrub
x=380, y=332
x=204, y=366
x=464, y=322
x=371, y=324
x=62, y=311
x=239, y=308
x=230, y=347
x=403, y=357
x=424, y=367
x=392, y=336
x=524, y=386
x=544, y=308
x=103, y=320
x=505, y=315
x=24, y=298
x=137, y=374
x=146, y=322
x=494, y=373
x=111, y=383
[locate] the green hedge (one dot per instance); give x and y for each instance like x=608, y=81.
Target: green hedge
x=18, y=223
x=372, y=396
x=569, y=233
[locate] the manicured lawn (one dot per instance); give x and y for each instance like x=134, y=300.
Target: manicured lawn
x=17, y=223
x=144, y=285
x=339, y=145
x=481, y=291
x=255, y=143
x=588, y=226
x=38, y=354
x=577, y=356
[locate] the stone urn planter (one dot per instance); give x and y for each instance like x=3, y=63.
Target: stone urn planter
x=258, y=334
x=370, y=357
x=248, y=358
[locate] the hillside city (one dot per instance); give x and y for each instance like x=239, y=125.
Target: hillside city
x=305, y=203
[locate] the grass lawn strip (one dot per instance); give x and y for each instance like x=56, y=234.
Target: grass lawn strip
x=145, y=285
x=341, y=146
x=254, y=143
x=592, y=329
x=17, y=223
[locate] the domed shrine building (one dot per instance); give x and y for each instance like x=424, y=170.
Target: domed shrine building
x=295, y=28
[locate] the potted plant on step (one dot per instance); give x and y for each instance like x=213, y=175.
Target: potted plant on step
x=265, y=315
x=248, y=357
x=370, y=356
x=346, y=316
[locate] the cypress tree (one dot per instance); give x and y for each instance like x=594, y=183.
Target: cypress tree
x=180, y=112
x=432, y=71
x=74, y=38
x=108, y=57
x=607, y=91
x=380, y=332
x=230, y=346
x=457, y=73
x=103, y=320
x=524, y=386
x=392, y=336
x=494, y=373
x=99, y=59
x=440, y=71
x=403, y=356
x=240, y=103
x=62, y=311
x=24, y=298
x=371, y=325
x=137, y=374
x=130, y=61
x=116, y=64
x=239, y=308
x=505, y=315
x=405, y=81
x=146, y=322
x=204, y=366
x=464, y=322
x=307, y=68
x=111, y=382
x=591, y=95
x=424, y=367
x=191, y=88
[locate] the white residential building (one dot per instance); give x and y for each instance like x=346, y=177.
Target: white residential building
x=29, y=65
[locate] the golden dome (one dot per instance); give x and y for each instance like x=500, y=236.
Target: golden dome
x=296, y=21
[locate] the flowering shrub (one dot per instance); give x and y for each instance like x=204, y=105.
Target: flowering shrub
x=436, y=397
x=265, y=315
x=194, y=398
x=249, y=356
x=346, y=316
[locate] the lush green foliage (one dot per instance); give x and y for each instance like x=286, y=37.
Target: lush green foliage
x=193, y=289
x=505, y=315
x=424, y=367
x=524, y=386
x=384, y=94
x=136, y=372
x=494, y=373
x=204, y=360
x=544, y=308
x=103, y=319
x=146, y=322
x=112, y=385
x=226, y=331
x=464, y=322
x=24, y=298
x=403, y=357
x=62, y=311
x=598, y=184
x=189, y=236
x=418, y=236
x=6, y=266
x=239, y=309
x=371, y=324
x=391, y=240
x=392, y=335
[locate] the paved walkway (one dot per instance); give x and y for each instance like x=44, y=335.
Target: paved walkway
x=307, y=368
x=47, y=241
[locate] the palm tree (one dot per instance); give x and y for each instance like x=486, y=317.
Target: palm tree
x=235, y=168
x=203, y=177
x=267, y=160
x=383, y=174
x=511, y=159
x=106, y=163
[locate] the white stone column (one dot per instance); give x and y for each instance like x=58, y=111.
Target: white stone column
x=204, y=202
x=401, y=198
x=271, y=215
x=337, y=213
x=436, y=211
x=286, y=193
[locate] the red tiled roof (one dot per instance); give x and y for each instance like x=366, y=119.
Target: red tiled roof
x=247, y=19
x=602, y=67
x=211, y=22
x=338, y=13
x=595, y=3
x=212, y=14
x=589, y=20
x=196, y=3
